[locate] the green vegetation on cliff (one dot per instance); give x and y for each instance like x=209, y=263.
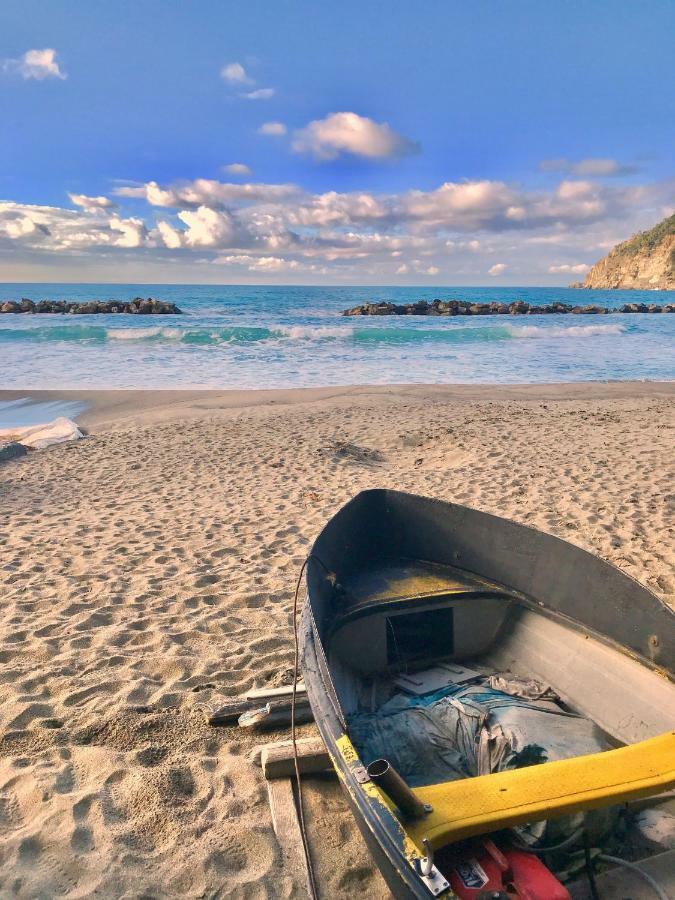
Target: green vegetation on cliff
x=644, y=262
x=646, y=241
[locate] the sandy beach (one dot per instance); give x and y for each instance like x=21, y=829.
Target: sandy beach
x=147, y=573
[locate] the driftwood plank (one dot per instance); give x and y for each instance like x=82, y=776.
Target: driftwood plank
x=255, y=756
x=229, y=712
x=287, y=828
x=270, y=693
x=276, y=714
x=277, y=759
x=279, y=712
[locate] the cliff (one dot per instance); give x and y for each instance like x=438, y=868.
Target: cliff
x=646, y=261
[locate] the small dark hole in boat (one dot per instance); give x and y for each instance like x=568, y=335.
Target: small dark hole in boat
x=422, y=635
x=378, y=767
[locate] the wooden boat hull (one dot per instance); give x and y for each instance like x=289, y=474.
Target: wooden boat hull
x=573, y=589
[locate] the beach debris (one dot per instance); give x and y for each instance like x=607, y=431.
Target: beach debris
x=276, y=714
x=286, y=824
x=140, y=306
x=516, y=308
x=11, y=450
x=255, y=755
x=257, y=699
x=228, y=713
x=351, y=452
x=278, y=760
x=270, y=693
x=37, y=437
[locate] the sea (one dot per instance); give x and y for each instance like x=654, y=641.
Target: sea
x=280, y=337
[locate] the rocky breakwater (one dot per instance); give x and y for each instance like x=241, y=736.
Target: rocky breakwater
x=139, y=306
x=517, y=308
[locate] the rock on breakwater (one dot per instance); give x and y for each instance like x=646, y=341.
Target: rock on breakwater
x=139, y=306
x=516, y=308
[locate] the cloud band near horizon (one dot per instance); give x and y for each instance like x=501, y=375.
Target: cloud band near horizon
x=489, y=228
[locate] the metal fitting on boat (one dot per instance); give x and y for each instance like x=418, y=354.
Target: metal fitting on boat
x=383, y=774
x=425, y=866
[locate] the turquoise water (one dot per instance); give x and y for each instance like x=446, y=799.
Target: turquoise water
x=249, y=337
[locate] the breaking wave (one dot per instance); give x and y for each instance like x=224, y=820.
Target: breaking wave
x=242, y=334
x=535, y=331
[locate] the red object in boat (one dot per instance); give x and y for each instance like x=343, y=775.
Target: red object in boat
x=486, y=871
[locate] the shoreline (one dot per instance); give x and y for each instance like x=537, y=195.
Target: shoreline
x=108, y=407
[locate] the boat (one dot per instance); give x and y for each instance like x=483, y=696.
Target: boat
x=488, y=694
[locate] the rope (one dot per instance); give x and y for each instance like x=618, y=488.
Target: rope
x=312, y=884
x=588, y=859
x=656, y=887
x=552, y=848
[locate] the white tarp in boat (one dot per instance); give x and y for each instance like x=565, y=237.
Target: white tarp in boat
x=464, y=730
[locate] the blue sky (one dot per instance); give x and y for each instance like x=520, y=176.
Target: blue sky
x=422, y=143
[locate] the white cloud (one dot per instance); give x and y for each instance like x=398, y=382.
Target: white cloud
x=597, y=168
x=358, y=235
x=18, y=226
x=207, y=227
x=237, y=169
x=574, y=268
x=207, y=192
x=55, y=229
x=273, y=129
x=133, y=232
x=471, y=202
x=35, y=64
x=171, y=236
x=574, y=190
x=268, y=263
x=91, y=203
x=592, y=166
x=347, y=132
x=259, y=94
x=235, y=73
x=237, y=76
x=333, y=208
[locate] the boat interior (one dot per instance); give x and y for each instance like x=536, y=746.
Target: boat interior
x=415, y=644
x=409, y=615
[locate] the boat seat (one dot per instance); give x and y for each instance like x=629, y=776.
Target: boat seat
x=488, y=803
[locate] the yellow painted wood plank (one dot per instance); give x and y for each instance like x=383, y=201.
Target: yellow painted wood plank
x=487, y=803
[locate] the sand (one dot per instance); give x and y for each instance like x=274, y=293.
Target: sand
x=147, y=573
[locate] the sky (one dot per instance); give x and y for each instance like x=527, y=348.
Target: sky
x=505, y=142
